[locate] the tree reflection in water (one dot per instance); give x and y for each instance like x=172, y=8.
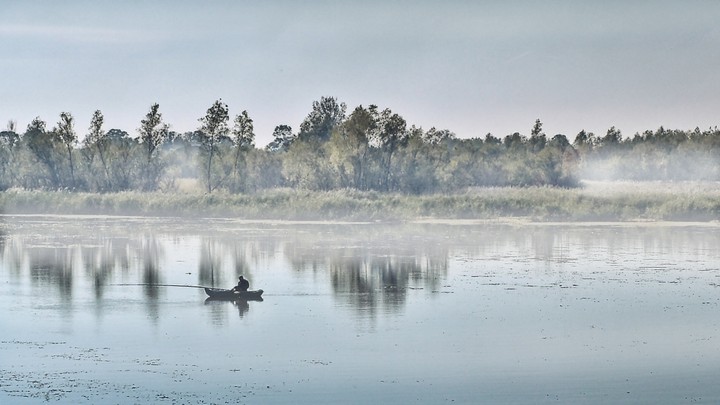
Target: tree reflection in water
x=210, y=263
x=100, y=262
x=217, y=255
x=377, y=276
x=374, y=274
x=12, y=252
x=52, y=267
x=370, y=281
x=239, y=260
x=370, y=268
x=151, y=276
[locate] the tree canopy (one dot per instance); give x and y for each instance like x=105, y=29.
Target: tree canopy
x=369, y=149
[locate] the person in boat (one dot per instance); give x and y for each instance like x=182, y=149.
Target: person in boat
x=242, y=285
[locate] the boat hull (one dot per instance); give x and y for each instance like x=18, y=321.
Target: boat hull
x=222, y=294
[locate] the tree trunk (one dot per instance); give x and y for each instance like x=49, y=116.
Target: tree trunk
x=105, y=169
x=72, y=168
x=209, y=167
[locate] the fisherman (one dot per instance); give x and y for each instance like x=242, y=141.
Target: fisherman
x=242, y=284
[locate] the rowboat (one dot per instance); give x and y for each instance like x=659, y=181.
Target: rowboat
x=222, y=294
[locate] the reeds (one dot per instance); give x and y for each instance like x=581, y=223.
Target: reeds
x=594, y=202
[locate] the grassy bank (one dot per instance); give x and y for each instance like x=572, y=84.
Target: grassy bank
x=594, y=202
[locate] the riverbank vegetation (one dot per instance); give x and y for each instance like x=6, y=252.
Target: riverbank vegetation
x=596, y=201
x=368, y=164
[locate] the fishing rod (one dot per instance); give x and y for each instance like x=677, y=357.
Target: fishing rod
x=161, y=285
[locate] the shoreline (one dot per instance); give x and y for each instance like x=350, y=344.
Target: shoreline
x=601, y=204
x=504, y=221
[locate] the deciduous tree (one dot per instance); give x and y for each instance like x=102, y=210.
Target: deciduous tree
x=96, y=141
x=282, y=139
x=66, y=134
x=244, y=139
x=214, y=127
x=152, y=134
x=389, y=135
x=325, y=116
x=43, y=147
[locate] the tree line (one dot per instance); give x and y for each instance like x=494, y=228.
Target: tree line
x=367, y=149
x=663, y=154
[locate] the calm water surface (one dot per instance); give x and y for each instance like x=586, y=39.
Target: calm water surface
x=355, y=313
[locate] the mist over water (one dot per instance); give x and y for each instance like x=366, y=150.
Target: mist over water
x=356, y=312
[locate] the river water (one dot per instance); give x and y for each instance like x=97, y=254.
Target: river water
x=357, y=313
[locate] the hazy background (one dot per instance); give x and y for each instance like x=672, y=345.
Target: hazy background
x=471, y=67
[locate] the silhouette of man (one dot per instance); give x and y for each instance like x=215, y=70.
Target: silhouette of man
x=242, y=284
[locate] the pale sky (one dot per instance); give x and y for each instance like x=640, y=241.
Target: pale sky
x=472, y=67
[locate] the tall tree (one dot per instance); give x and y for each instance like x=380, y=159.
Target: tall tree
x=611, y=138
x=244, y=139
x=244, y=131
x=537, y=139
x=66, y=133
x=325, y=116
x=122, y=151
x=437, y=136
x=349, y=147
x=96, y=140
x=306, y=164
x=42, y=146
x=152, y=134
x=9, y=139
x=282, y=139
x=214, y=126
x=152, y=131
x=389, y=135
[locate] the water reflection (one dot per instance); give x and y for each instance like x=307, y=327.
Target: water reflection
x=209, y=262
x=426, y=310
x=223, y=260
x=372, y=269
x=52, y=267
x=150, y=257
x=242, y=306
x=218, y=308
x=371, y=281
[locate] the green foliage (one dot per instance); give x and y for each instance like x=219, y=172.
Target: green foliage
x=94, y=153
x=9, y=141
x=65, y=133
x=653, y=155
x=325, y=116
x=282, y=139
x=349, y=149
x=153, y=132
x=244, y=139
x=213, y=132
x=372, y=149
x=305, y=166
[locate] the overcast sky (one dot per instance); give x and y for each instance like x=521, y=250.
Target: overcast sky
x=472, y=67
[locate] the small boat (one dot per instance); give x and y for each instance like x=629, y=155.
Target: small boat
x=222, y=294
